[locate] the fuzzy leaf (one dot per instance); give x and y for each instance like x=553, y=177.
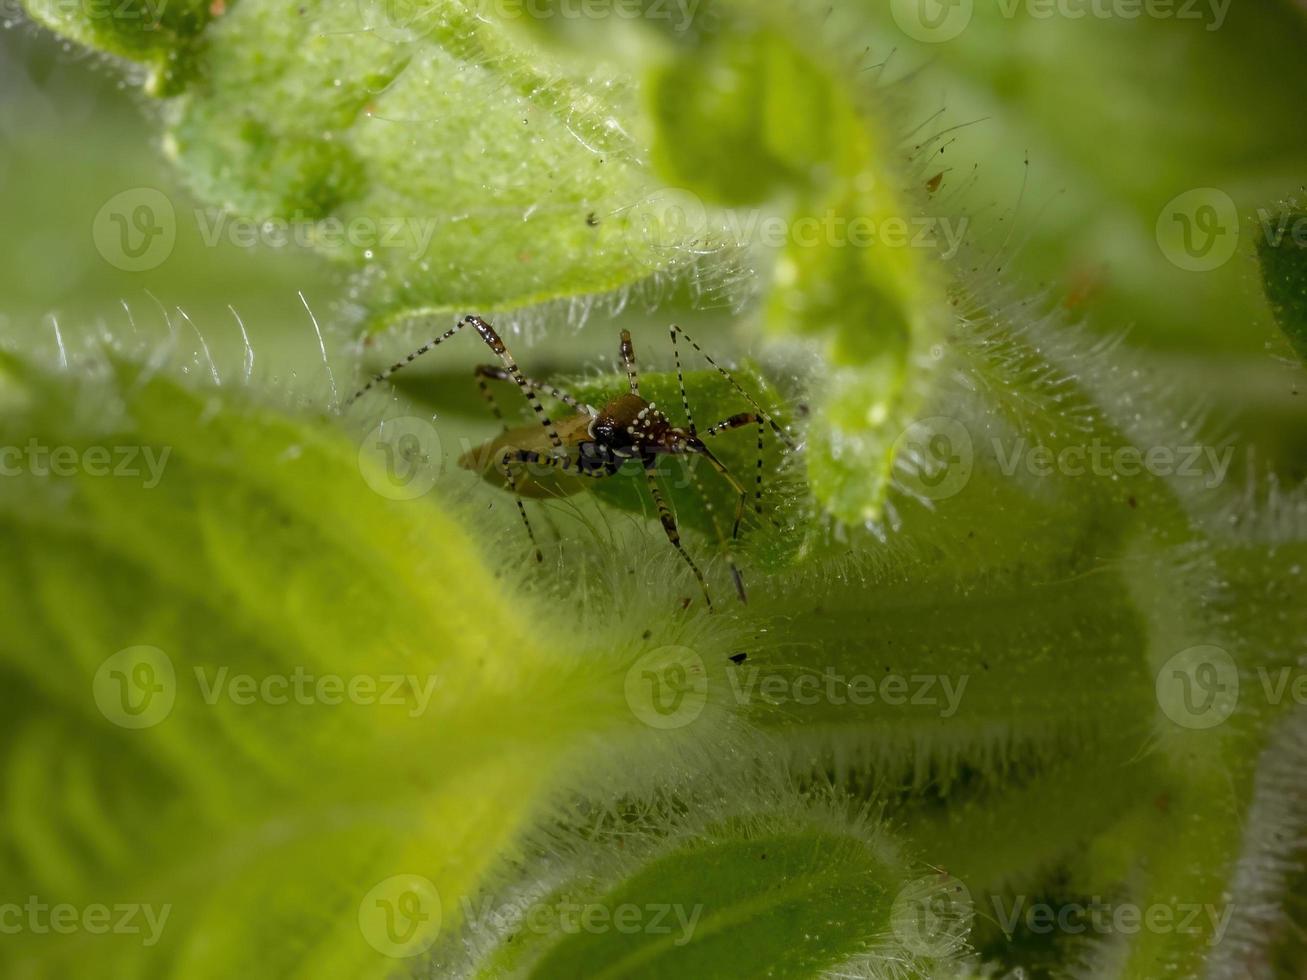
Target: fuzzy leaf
x=246, y=688
x=797, y=896
x=1283, y=253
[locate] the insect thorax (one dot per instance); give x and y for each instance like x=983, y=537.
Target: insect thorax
x=629, y=426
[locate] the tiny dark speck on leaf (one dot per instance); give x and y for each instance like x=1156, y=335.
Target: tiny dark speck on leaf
x=591, y=220
x=763, y=857
x=739, y=658
x=646, y=634
x=1132, y=502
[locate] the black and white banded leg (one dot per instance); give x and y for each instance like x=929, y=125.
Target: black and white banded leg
x=673, y=533
x=497, y=345
x=482, y=372
x=678, y=332
x=511, y=459
x=735, y=422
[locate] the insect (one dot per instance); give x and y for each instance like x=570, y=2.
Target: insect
x=593, y=443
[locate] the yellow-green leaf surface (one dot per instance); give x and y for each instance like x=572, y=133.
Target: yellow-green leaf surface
x=795, y=896
x=462, y=160
x=247, y=688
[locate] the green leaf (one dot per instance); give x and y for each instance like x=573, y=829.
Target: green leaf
x=247, y=684
x=794, y=893
x=163, y=35
x=464, y=163
x=460, y=163
x=1020, y=83
x=846, y=269
x=1283, y=253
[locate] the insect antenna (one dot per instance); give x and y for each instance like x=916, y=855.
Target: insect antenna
x=680, y=383
x=725, y=544
x=627, y=351
x=780, y=433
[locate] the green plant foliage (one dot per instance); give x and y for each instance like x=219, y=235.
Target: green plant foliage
x=798, y=893
x=254, y=553
x=1283, y=254
x=1021, y=631
x=164, y=37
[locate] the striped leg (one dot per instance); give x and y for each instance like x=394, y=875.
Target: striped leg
x=627, y=351
x=678, y=332
x=490, y=371
x=725, y=544
x=511, y=459
x=510, y=477
x=673, y=534
x=496, y=344
x=735, y=422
